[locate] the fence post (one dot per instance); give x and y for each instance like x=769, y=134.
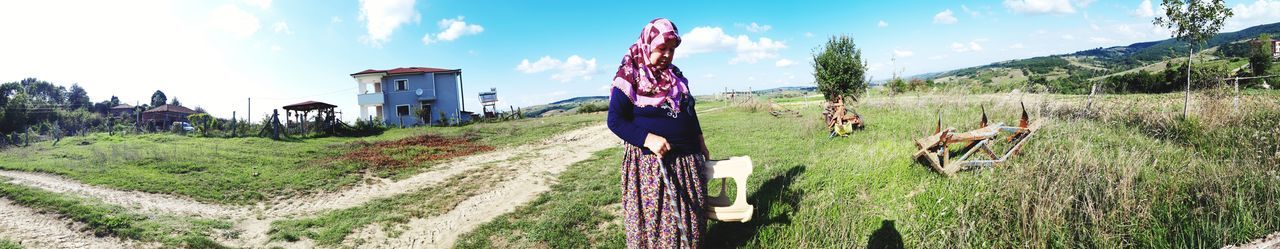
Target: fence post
x=1235, y=102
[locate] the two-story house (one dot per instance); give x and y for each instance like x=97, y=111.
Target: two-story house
x=396, y=96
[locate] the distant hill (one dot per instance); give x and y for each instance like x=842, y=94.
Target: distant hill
x=1093, y=63
x=569, y=105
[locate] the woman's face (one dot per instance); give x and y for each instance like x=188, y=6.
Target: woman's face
x=661, y=56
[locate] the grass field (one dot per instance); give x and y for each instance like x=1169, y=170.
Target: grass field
x=1127, y=174
x=245, y=170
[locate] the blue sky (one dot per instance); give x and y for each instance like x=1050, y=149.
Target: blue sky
x=217, y=54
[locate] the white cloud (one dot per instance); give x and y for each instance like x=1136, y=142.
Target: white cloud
x=972, y=13
x=713, y=39
x=1101, y=40
x=1259, y=12
x=757, y=28
x=945, y=17
x=234, y=20
x=1017, y=46
x=808, y=34
x=282, y=28
x=882, y=24
x=264, y=4
x=451, y=29
x=1043, y=6
x=903, y=53
x=972, y=46
x=574, y=67
x=383, y=17
x=1144, y=10
x=335, y=19
x=784, y=63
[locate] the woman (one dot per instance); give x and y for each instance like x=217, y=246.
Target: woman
x=651, y=109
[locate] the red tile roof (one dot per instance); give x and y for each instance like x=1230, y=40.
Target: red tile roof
x=122, y=106
x=171, y=108
x=408, y=70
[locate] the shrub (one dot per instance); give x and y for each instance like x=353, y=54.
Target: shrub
x=592, y=107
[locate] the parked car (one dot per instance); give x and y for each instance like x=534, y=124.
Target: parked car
x=184, y=126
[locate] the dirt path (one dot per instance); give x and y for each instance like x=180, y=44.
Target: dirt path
x=1271, y=241
x=536, y=171
x=538, y=162
x=35, y=230
x=146, y=202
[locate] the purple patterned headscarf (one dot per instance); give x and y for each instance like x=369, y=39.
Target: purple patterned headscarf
x=646, y=87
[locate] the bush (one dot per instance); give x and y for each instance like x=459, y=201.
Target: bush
x=592, y=107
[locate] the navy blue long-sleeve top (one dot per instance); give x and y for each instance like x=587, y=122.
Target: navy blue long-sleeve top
x=633, y=124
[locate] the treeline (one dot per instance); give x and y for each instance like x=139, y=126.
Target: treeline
x=33, y=107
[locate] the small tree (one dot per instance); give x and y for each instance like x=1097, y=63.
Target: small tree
x=839, y=70
x=1194, y=22
x=202, y=122
x=424, y=115
x=1260, y=58
x=158, y=99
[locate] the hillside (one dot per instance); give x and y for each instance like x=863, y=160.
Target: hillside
x=1097, y=63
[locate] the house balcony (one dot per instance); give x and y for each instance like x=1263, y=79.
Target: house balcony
x=369, y=99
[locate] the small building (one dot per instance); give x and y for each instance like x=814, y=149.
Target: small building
x=396, y=96
x=1275, y=49
x=121, y=110
x=165, y=115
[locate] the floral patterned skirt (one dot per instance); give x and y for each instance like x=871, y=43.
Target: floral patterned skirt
x=663, y=201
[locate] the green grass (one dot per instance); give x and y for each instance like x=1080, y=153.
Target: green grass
x=245, y=170
x=1125, y=176
x=6, y=244
x=107, y=220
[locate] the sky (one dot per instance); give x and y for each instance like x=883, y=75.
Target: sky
x=218, y=55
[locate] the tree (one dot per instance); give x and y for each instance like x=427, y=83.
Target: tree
x=839, y=70
x=1193, y=22
x=202, y=122
x=1260, y=58
x=78, y=98
x=175, y=102
x=15, y=113
x=158, y=99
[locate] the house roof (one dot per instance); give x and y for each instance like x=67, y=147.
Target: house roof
x=122, y=106
x=408, y=70
x=309, y=105
x=171, y=108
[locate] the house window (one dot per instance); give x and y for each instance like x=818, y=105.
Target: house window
x=402, y=110
x=402, y=85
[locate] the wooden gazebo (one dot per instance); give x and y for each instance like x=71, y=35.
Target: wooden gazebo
x=324, y=120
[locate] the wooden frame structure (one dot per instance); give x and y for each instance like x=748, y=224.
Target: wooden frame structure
x=933, y=149
x=325, y=119
x=838, y=118
x=719, y=207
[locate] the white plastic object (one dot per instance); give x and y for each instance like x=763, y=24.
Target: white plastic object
x=719, y=207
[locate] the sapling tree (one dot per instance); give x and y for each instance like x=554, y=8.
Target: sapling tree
x=1193, y=22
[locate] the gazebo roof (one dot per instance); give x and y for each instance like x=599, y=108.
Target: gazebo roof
x=308, y=106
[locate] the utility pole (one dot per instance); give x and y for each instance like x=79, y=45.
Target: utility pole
x=249, y=113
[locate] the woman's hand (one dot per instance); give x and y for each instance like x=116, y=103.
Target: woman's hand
x=657, y=144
